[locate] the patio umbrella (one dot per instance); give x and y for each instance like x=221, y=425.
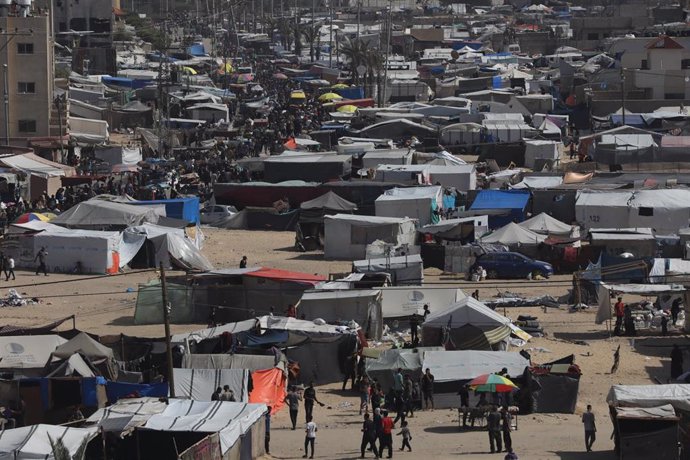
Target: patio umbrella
x=492, y=383
x=30, y=216
x=339, y=86
x=298, y=94
x=189, y=70
x=280, y=76
x=326, y=97
x=349, y=108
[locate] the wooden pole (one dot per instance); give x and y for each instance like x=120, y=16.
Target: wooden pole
x=166, y=318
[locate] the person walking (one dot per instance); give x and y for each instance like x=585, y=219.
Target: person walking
x=590, y=428
x=676, y=361
x=619, y=309
x=310, y=437
x=292, y=399
x=9, y=268
x=386, y=441
x=41, y=258
x=243, y=262
x=398, y=382
x=309, y=400
x=406, y=437
x=414, y=325
x=675, y=310
x=428, y=389
x=506, y=428
x=493, y=425
x=350, y=370
x=511, y=455
x=368, y=436
x=464, y=403
x=364, y=395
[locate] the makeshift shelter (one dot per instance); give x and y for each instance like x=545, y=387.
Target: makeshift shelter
x=453, y=368
x=466, y=325
x=403, y=301
x=546, y=225
x=403, y=270
x=464, y=229
x=234, y=361
x=551, y=387
x=604, y=312
x=373, y=158
x=101, y=215
x=200, y=384
x=313, y=167
x=27, y=356
x=389, y=361
x=513, y=201
x=153, y=244
x=516, y=238
x=616, y=149
x=347, y=236
x=35, y=441
x=403, y=174
x=421, y=203
x=460, y=177
x=310, y=228
x=664, y=210
x=538, y=152
x=360, y=305
x=118, y=154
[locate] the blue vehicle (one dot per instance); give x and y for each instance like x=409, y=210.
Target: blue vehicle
x=512, y=265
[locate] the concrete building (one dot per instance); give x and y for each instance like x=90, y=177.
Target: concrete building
x=28, y=58
x=92, y=16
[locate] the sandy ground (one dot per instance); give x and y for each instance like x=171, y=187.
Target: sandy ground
x=103, y=305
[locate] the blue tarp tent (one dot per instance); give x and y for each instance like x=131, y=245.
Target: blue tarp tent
x=197, y=49
x=513, y=201
x=353, y=92
x=177, y=208
x=631, y=119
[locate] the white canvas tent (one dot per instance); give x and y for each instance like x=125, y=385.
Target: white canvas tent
x=199, y=384
x=87, y=250
x=403, y=301
x=460, y=177
x=540, y=150
x=389, y=361
x=170, y=245
x=546, y=225
x=83, y=343
x=513, y=235
x=100, y=214
x=664, y=210
x=374, y=158
x=404, y=270
x=34, y=442
x=27, y=355
x=361, y=305
x=417, y=202
x=677, y=395
x=347, y=236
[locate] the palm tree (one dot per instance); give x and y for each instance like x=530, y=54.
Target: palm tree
x=311, y=35
x=60, y=452
x=374, y=62
x=354, y=51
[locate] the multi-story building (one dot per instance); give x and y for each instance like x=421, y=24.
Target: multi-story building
x=26, y=66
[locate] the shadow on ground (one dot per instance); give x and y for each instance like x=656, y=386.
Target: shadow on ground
x=579, y=455
x=122, y=321
x=581, y=336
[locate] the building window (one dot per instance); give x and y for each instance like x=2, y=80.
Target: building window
x=27, y=126
x=26, y=87
x=644, y=65
x=25, y=48
x=685, y=64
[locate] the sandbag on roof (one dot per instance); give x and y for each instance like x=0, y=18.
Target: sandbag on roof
x=544, y=223
x=513, y=234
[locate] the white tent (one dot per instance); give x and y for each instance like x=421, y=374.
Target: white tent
x=547, y=225
x=417, y=202
x=678, y=395
x=361, y=305
x=513, y=235
x=229, y=420
x=404, y=270
x=664, y=210
x=461, y=177
x=87, y=250
x=403, y=301
x=83, y=343
x=100, y=214
x=403, y=174
x=170, y=245
x=27, y=355
x=34, y=442
x=540, y=150
x=347, y=236
x=199, y=384
x=374, y=158
x=126, y=414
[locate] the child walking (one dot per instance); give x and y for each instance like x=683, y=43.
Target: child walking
x=310, y=437
x=407, y=437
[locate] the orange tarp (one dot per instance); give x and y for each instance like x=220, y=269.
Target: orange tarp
x=269, y=388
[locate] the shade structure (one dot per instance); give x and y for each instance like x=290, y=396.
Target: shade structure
x=327, y=97
x=339, y=86
x=189, y=70
x=280, y=76
x=492, y=383
x=298, y=94
x=349, y=108
x=31, y=216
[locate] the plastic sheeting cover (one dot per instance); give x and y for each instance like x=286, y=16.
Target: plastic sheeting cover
x=269, y=389
x=199, y=384
x=677, y=395
x=33, y=442
x=447, y=366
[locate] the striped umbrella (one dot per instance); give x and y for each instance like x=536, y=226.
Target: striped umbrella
x=31, y=216
x=492, y=383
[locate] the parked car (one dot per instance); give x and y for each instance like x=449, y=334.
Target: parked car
x=211, y=214
x=512, y=265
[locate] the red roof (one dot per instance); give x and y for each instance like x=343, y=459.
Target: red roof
x=285, y=275
x=664, y=43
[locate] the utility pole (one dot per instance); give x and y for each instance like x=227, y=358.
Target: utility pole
x=330, y=40
x=359, y=19
x=623, y=93
x=166, y=318
x=6, y=98
x=388, y=43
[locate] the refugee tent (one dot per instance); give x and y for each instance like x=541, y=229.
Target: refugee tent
x=466, y=325
x=312, y=167
x=155, y=244
x=26, y=356
x=546, y=225
x=513, y=201
x=536, y=151
x=83, y=343
x=403, y=301
x=453, y=368
x=515, y=237
x=126, y=414
x=551, y=387
x=421, y=203
x=118, y=154
x=100, y=215
x=347, y=236
x=616, y=149
x=213, y=332
x=373, y=158
x=396, y=129
x=235, y=361
x=664, y=210
x=403, y=174
x=360, y=305
x=35, y=441
x=310, y=228
x=389, y=361
x=461, y=134
x=464, y=229
x=200, y=384
x=183, y=423
x=403, y=270
x=460, y=177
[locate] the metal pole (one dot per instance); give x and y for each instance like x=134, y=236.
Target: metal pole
x=6, y=96
x=330, y=40
x=58, y=103
x=388, y=42
x=166, y=318
x=623, y=93
x=359, y=19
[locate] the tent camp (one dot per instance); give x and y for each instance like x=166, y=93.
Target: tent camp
x=420, y=203
x=466, y=325
x=101, y=215
x=374, y=158
x=452, y=368
x=403, y=301
x=199, y=384
x=169, y=245
x=403, y=270
x=34, y=442
x=537, y=152
x=27, y=355
x=347, y=236
x=361, y=305
x=389, y=361
x=513, y=235
x=664, y=210
x=513, y=201
x=547, y=225
x=460, y=177
x=310, y=228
